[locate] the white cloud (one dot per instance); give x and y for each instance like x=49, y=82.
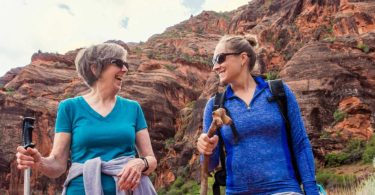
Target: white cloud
x=62, y=25
x=223, y=5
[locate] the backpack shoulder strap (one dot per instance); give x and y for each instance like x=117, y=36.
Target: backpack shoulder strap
x=218, y=101
x=278, y=95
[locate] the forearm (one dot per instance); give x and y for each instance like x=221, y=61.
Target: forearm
x=306, y=167
x=51, y=167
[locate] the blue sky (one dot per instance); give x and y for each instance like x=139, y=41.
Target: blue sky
x=59, y=26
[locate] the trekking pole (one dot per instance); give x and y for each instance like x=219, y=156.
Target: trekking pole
x=27, y=128
x=219, y=117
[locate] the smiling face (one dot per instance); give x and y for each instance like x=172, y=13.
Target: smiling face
x=231, y=63
x=112, y=75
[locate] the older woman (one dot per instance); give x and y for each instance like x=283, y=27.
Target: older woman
x=100, y=131
x=260, y=163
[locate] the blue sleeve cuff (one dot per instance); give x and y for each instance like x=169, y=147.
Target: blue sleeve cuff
x=310, y=188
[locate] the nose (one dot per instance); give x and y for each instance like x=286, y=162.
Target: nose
x=215, y=67
x=124, y=69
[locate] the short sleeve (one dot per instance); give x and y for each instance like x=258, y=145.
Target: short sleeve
x=63, y=119
x=140, y=119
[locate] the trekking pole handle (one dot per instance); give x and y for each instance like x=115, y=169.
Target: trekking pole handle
x=27, y=132
x=27, y=128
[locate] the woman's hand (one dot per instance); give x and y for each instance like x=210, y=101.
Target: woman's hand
x=130, y=176
x=206, y=145
x=27, y=158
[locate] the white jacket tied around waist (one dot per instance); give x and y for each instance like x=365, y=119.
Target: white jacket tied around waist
x=92, y=169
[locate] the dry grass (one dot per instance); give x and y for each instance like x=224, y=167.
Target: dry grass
x=366, y=187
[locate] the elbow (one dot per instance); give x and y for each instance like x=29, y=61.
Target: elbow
x=59, y=171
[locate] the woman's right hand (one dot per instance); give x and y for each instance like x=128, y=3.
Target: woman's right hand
x=206, y=145
x=27, y=158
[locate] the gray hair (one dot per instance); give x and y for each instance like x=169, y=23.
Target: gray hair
x=95, y=56
x=236, y=43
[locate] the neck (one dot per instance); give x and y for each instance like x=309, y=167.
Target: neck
x=244, y=82
x=100, y=94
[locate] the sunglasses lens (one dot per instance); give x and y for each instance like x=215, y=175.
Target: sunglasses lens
x=221, y=58
x=120, y=63
x=218, y=59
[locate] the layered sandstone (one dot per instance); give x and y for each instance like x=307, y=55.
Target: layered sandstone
x=324, y=50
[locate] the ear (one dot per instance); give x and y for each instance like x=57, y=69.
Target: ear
x=244, y=58
x=93, y=69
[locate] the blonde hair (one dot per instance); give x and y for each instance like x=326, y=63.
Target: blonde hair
x=237, y=43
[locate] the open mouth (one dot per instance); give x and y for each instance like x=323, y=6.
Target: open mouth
x=118, y=77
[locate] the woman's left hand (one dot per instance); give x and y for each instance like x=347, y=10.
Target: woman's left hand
x=130, y=176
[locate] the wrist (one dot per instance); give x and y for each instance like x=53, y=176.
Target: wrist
x=146, y=165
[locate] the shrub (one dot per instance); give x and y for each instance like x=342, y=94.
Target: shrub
x=339, y=115
x=9, y=90
x=170, y=67
x=363, y=47
x=330, y=39
x=369, y=153
x=324, y=135
x=352, y=153
x=272, y=75
x=335, y=159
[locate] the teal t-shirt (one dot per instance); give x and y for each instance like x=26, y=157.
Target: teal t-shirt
x=94, y=136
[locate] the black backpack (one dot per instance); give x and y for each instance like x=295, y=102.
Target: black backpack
x=278, y=95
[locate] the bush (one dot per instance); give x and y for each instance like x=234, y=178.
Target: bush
x=369, y=153
x=335, y=159
x=363, y=47
x=330, y=39
x=339, y=115
x=352, y=153
x=272, y=75
x=180, y=186
x=170, y=67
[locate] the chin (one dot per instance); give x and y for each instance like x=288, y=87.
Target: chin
x=223, y=81
x=117, y=88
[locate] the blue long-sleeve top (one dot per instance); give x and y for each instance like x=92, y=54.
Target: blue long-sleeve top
x=260, y=163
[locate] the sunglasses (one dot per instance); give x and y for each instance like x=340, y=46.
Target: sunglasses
x=221, y=57
x=119, y=63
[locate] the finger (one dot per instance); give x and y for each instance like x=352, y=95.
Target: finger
x=136, y=183
x=123, y=177
x=20, y=149
x=207, y=146
x=204, y=143
x=131, y=179
x=214, y=139
x=205, y=138
x=32, y=151
x=25, y=157
x=203, y=149
x=22, y=167
x=25, y=163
